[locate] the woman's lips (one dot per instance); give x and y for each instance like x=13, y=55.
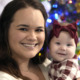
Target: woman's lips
x=29, y=46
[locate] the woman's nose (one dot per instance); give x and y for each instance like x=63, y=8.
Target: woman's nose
x=32, y=36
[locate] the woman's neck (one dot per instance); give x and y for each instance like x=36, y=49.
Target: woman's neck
x=24, y=67
x=23, y=64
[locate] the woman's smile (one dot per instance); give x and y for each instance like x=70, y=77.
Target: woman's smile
x=29, y=45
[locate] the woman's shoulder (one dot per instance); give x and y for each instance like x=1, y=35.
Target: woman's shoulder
x=45, y=67
x=6, y=76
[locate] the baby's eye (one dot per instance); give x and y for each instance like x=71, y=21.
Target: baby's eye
x=69, y=44
x=23, y=29
x=58, y=43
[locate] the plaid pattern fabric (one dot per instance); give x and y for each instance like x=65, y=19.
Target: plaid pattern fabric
x=65, y=70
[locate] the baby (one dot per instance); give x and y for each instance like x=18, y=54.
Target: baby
x=63, y=40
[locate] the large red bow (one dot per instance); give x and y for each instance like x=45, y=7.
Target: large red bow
x=71, y=28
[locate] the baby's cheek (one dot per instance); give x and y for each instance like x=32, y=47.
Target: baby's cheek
x=71, y=53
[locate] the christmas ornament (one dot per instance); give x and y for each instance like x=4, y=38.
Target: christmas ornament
x=62, y=2
x=77, y=5
x=3, y=3
x=78, y=49
x=47, y=5
x=39, y=54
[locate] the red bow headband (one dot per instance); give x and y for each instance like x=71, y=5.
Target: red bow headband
x=57, y=28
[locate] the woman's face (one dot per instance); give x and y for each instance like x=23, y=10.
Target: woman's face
x=26, y=33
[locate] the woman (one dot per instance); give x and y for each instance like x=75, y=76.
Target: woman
x=22, y=36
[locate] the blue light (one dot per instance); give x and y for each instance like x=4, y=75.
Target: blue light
x=74, y=12
x=66, y=13
x=56, y=16
x=78, y=57
x=60, y=12
x=49, y=20
x=41, y=49
x=54, y=5
x=78, y=23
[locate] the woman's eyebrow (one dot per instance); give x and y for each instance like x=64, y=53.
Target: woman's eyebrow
x=40, y=27
x=24, y=25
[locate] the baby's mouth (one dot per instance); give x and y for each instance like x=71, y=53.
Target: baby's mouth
x=61, y=53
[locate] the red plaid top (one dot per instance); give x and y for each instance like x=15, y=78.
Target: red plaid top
x=65, y=70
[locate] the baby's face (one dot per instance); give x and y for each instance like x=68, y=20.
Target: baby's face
x=63, y=47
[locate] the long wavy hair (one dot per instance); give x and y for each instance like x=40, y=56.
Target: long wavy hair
x=7, y=63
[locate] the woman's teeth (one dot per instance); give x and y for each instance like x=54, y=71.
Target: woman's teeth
x=29, y=45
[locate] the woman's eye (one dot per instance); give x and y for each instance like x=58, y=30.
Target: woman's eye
x=58, y=43
x=23, y=29
x=39, y=30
